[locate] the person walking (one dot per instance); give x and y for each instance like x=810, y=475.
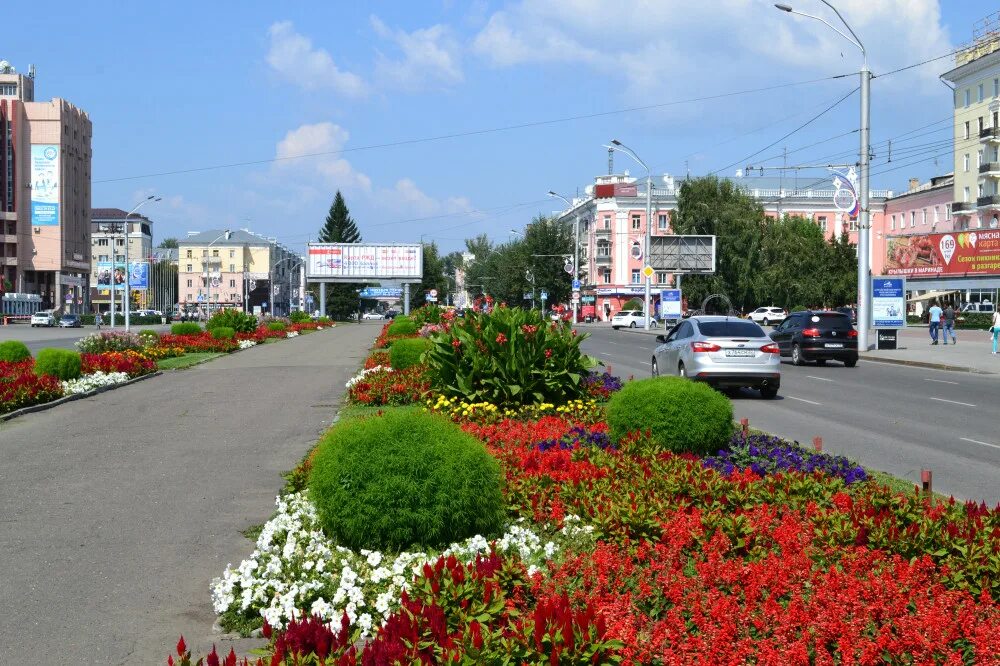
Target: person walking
x=934, y=319
x=97, y=319
x=995, y=329
x=948, y=324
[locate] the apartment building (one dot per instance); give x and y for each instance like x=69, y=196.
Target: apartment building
x=45, y=161
x=108, y=237
x=246, y=271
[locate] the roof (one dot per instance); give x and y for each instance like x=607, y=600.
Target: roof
x=166, y=253
x=240, y=237
x=104, y=214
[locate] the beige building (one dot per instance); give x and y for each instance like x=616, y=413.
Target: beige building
x=237, y=272
x=45, y=158
x=107, y=238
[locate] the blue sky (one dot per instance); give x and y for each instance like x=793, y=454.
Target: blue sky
x=182, y=86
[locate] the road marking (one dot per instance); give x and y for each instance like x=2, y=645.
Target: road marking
x=822, y=379
x=941, y=381
x=792, y=397
x=976, y=441
x=954, y=402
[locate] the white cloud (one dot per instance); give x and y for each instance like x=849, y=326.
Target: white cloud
x=291, y=55
x=319, y=140
x=430, y=58
x=406, y=197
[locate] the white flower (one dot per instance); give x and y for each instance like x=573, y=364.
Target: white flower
x=291, y=334
x=93, y=381
x=364, y=373
x=247, y=344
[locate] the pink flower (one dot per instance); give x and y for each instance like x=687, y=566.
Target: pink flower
x=456, y=343
x=548, y=353
x=501, y=338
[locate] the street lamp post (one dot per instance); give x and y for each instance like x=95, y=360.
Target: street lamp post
x=621, y=147
x=290, y=271
x=576, y=250
x=208, y=273
x=128, y=289
x=270, y=281
x=864, y=225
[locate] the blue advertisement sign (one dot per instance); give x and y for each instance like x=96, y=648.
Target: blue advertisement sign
x=382, y=292
x=107, y=275
x=888, y=302
x=44, y=185
x=670, y=304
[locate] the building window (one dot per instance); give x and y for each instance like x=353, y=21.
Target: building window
x=913, y=218
x=968, y=96
x=923, y=216
x=821, y=220
x=232, y=283
x=603, y=249
x=965, y=163
x=606, y=274
x=215, y=253
x=8, y=89
x=947, y=211
x=661, y=277
x=190, y=298
x=979, y=190
x=232, y=253
x=892, y=223
x=937, y=215
x=189, y=268
x=189, y=283
x=120, y=242
x=979, y=158
x=636, y=277
x=102, y=242
x=102, y=257
x=981, y=97
x=204, y=252
x=662, y=223
x=980, y=124
x=965, y=194
x=188, y=255
x=966, y=129
x=607, y=221
x=636, y=223
x=854, y=225
x=232, y=268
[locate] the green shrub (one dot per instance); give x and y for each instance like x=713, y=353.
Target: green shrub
x=427, y=314
x=298, y=317
x=63, y=364
x=240, y=322
x=276, y=326
x=633, y=304
x=406, y=353
x=799, y=308
x=509, y=357
x=682, y=416
x=404, y=327
x=404, y=479
x=223, y=333
x=324, y=320
x=980, y=320
x=186, y=328
x=14, y=351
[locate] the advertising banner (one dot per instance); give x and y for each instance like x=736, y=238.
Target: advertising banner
x=346, y=262
x=956, y=253
x=670, y=304
x=44, y=185
x=888, y=302
x=108, y=275
x=381, y=292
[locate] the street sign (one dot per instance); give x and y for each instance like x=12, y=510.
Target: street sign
x=576, y=295
x=434, y=293
x=648, y=271
x=253, y=284
x=382, y=292
x=545, y=295
x=568, y=266
x=670, y=304
x=888, y=302
x=576, y=285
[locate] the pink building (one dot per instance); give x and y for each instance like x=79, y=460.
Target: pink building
x=923, y=209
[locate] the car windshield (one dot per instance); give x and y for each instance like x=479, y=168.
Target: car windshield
x=626, y=313
x=730, y=329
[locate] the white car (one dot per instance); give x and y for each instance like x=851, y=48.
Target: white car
x=43, y=318
x=767, y=316
x=372, y=315
x=631, y=319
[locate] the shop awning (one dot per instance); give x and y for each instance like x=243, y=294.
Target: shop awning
x=930, y=295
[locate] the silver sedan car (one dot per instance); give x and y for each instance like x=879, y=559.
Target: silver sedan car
x=725, y=352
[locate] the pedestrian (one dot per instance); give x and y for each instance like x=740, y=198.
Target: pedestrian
x=995, y=329
x=934, y=320
x=97, y=319
x=948, y=324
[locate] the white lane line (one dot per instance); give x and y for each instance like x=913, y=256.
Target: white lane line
x=954, y=402
x=941, y=381
x=976, y=441
x=792, y=397
x=822, y=379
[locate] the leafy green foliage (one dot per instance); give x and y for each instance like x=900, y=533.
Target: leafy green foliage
x=681, y=416
x=324, y=320
x=633, y=304
x=63, y=364
x=406, y=353
x=402, y=326
x=980, y=320
x=149, y=336
x=240, y=322
x=186, y=328
x=509, y=357
x=298, y=316
x=14, y=351
x=404, y=479
x=276, y=326
x=799, y=308
x=222, y=333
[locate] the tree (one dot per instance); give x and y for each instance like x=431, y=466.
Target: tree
x=434, y=275
x=341, y=299
x=548, y=242
x=841, y=271
x=169, y=243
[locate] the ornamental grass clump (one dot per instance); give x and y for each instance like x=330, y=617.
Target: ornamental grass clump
x=401, y=326
x=679, y=415
x=406, y=353
x=14, y=351
x=222, y=333
x=276, y=326
x=185, y=328
x=63, y=364
x=404, y=479
x=240, y=322
x=509, y=358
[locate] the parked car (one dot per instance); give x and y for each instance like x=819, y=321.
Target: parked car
x=725, y=352
x=631, y=319
x=817, y=336
x=978, y=307
x=43, y=318
x=373, y=315
x=70, y=321
x=850, y=312
x=767, y=315
x=391, y=314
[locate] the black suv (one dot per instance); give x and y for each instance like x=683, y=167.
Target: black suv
x=819, y=336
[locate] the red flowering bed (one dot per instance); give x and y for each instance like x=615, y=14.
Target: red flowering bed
x=131, y=363
x=203, y=342
x=390, y=387
x=21, y=387
x=305, y=326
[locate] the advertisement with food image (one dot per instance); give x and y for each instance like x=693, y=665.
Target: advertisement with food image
x=956, y=253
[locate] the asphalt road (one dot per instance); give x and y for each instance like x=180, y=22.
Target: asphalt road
x=893, y=418
x=60, y=338
x=117, y=511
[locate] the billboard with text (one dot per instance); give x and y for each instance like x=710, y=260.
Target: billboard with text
x=354, y=262
x=955, y=253
x=44, y=185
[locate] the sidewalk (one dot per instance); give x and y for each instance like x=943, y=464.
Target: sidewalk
x=118, y=510
x=971, y=354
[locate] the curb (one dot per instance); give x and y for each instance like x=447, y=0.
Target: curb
x=925, y=364
x=70, y=398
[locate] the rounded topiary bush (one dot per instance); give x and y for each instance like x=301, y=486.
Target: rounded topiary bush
x=186, y=328
x=404, y=479
x=14, y=351
x=276, y=326
x=406, y=353
x=298, y=316
x=223, y=333
x=63, y=364
x=633, y=304
x=401, y=326
x=682, y=416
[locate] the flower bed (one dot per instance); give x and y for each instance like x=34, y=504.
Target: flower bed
x=381, y=385
x=92, y=381
x=21, y=387
x=130, y=363
x=202, y=342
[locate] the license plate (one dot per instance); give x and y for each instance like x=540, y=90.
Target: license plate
x=834, y=345
x=741, y=352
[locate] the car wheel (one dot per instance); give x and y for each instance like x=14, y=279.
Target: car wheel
x=797, y=355
x=765, y=322
x=656, y=369
x=851, y=362
x=631, y=324
x=614, y=328
x=682, y=371
x=769, y=392
x=821, y=361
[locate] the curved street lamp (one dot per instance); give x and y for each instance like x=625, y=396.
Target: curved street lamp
x=622, y=148
x=128, y=289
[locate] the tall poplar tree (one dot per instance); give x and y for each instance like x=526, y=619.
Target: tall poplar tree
x=341, y=299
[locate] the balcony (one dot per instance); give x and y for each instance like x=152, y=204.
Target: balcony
x=8, y=238
x=602, y=232
x=8, y=261
x=989, y=201
x=989, y=134
x=961, y=207
x=990, y=169
x=602, y=258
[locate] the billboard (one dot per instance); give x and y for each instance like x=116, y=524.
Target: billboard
x=44, y=184
x=956, y=253
x=888, y=302
x=108, y=275
x=356, y=262
x=670, y=304
x=682, y=254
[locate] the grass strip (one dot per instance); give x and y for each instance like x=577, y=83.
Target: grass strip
x=186, y=361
